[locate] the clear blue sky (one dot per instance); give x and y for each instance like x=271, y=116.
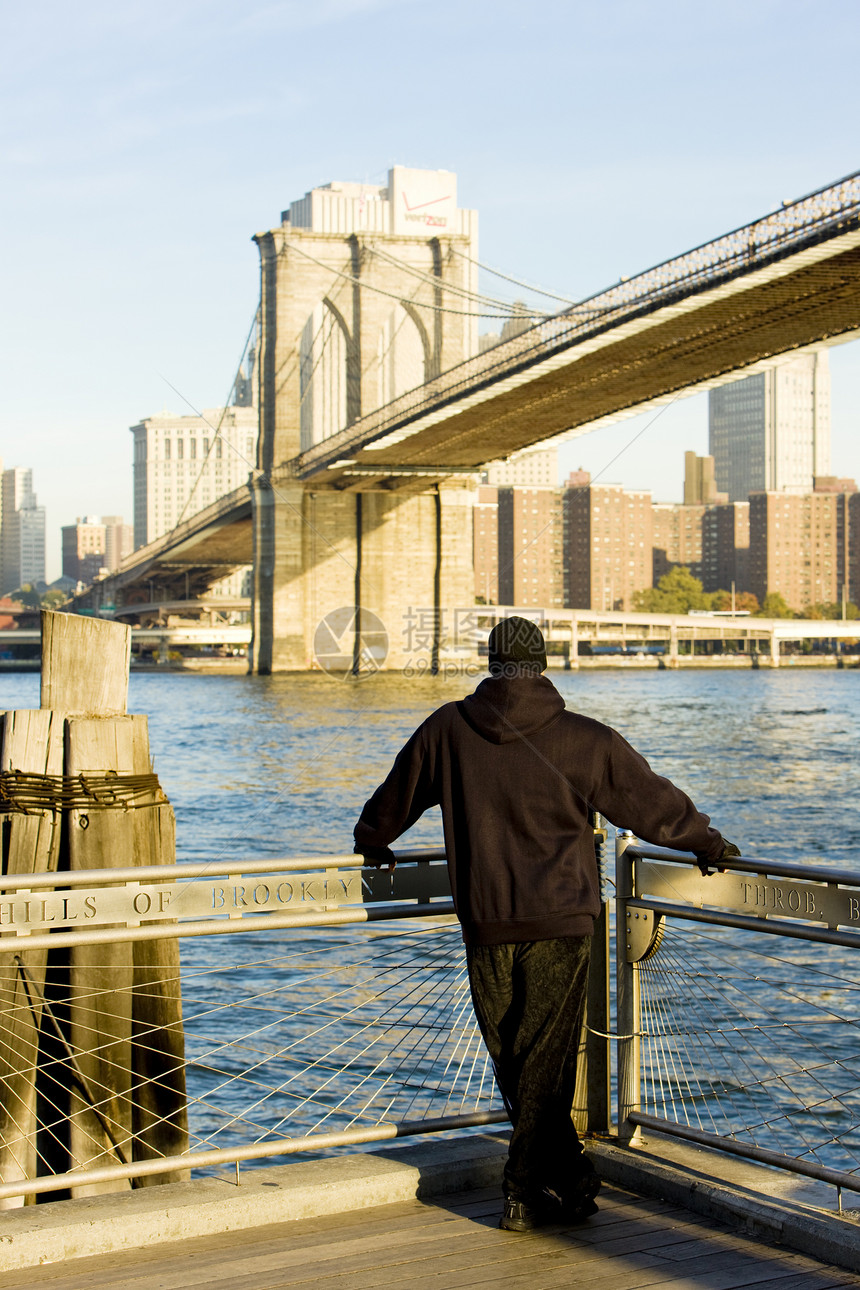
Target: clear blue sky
x=144, y=142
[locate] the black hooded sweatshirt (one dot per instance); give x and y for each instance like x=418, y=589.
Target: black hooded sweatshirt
x=515, y=774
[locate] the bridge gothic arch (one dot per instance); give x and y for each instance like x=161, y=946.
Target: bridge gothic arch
x=404, y=353
x=324, y=374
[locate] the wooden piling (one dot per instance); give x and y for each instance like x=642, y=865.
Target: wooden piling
x=32, y=742
x=159, y=1113
x=91, y=1052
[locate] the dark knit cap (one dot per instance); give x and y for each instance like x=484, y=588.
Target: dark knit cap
x=516, y=645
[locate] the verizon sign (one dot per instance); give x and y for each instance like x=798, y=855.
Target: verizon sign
x=423, y=202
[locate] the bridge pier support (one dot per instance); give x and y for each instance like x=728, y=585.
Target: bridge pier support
x=350, y=561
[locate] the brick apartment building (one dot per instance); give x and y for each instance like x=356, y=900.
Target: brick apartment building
x=608, y=546
x=676, y=537
x=486, y=544
x=800, y=547
x=530, y=559
x=726, y=547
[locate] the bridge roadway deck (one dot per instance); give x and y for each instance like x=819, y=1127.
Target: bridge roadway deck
x=454, y=1242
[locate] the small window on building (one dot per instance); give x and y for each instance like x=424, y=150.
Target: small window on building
x=180, y=448
x=219, y=444
x=193, y=449
x=167, y=450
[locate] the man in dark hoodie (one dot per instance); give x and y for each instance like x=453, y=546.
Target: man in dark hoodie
x=515, y=774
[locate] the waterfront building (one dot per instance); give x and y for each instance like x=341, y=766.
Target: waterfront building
x=530, y=564
x=608, y=533
x=799, y=546
x=771, y=432
x=485, y=542
x=726, y=547
x=22, y=531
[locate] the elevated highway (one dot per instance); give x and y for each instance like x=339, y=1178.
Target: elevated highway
x=581, y=633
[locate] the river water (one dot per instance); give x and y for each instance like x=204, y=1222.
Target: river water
x=281, y=766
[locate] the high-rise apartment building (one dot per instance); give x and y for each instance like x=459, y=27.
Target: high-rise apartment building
x=183, y=463
x=676, y=538
x=771, y=432
x=726, y=547
x=119, y=540
x=22, y=531
x=531, y=565
x=798, y=547
x=485, y=521
x=537, y=468
x=83, y=548
x=608, y=546
x=847, y=533
x=92, y=544
x=853, y=507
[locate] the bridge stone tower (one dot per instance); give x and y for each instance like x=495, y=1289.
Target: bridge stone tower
x=366, y=293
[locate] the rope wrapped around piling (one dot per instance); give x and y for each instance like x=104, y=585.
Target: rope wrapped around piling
x=27, y=792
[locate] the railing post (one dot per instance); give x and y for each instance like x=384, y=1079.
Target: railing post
x=597, y=1041
x=627, y=986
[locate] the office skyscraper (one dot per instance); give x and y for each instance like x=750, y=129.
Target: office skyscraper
x=22, y=537
x=771, y=432
x=184, y=463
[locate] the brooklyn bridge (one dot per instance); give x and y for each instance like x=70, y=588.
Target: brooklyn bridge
x=377, y=405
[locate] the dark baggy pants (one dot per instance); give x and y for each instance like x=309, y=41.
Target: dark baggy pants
x=529, y=1000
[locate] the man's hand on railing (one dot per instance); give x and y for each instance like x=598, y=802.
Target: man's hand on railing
x=729, y=850
x=379, y=857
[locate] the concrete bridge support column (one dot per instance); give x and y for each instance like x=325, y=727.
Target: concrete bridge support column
x=351, y=558
x=277, y=594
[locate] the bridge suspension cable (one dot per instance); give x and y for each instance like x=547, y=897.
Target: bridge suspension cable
x=392, y=295
x=216, y=429
x=441, y=283
x=518, y=282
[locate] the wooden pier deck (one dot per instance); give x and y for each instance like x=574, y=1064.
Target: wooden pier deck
x=452, y=1243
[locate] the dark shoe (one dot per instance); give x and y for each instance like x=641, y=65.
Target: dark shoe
x=521, y=1216
x=577, y=1203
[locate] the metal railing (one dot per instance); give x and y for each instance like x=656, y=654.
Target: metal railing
x=341, y=1015
x=733, y=1031
x=329, y=1025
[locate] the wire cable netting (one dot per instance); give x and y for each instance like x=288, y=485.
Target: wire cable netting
x=348, y=1029
x=754, y=1041
x=273, y=1036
